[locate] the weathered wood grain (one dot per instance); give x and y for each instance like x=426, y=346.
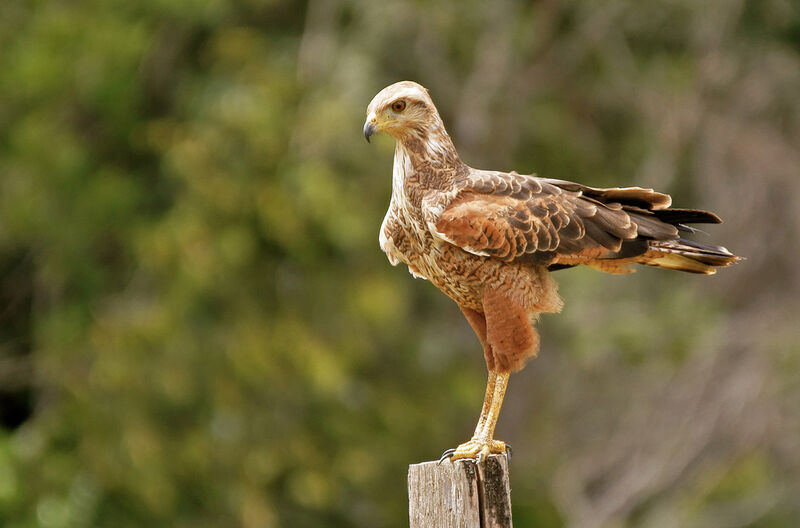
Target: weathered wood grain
x=460, y=494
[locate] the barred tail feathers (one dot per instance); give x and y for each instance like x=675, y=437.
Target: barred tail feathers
x=686, y=255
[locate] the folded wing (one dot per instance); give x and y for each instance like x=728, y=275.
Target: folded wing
x=561, y=224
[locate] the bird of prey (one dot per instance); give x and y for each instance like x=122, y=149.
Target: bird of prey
x=490, y=239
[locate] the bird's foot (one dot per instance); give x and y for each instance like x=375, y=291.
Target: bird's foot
x=477, y=449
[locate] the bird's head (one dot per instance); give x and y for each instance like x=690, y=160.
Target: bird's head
x=401, y=109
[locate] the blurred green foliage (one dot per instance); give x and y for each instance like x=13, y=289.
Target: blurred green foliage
x=197, y=313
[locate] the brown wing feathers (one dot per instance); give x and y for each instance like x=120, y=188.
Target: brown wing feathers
x=633, y=196
x=562, y=224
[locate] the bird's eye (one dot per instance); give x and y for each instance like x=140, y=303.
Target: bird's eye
x=399, y=106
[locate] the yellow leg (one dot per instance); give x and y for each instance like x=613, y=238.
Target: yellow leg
x=500, y=386
x=482, y=443
x=487, y=402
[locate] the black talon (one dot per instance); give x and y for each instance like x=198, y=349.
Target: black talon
x=447, y=454
x=509, y=452
x=479, y=458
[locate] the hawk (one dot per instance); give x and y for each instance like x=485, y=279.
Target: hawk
x=489, y=239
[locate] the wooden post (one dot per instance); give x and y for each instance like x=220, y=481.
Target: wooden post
x=460, y=494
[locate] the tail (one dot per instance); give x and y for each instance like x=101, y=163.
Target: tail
x=686, y=255
x=658, y=226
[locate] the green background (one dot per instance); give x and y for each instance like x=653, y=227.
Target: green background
x=198, y=329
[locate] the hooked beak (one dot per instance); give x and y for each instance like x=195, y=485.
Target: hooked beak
x=369, y=129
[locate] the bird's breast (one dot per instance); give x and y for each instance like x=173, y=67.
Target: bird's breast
x=452, y=270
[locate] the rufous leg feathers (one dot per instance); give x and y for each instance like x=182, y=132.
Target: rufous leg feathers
x=509, y=332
